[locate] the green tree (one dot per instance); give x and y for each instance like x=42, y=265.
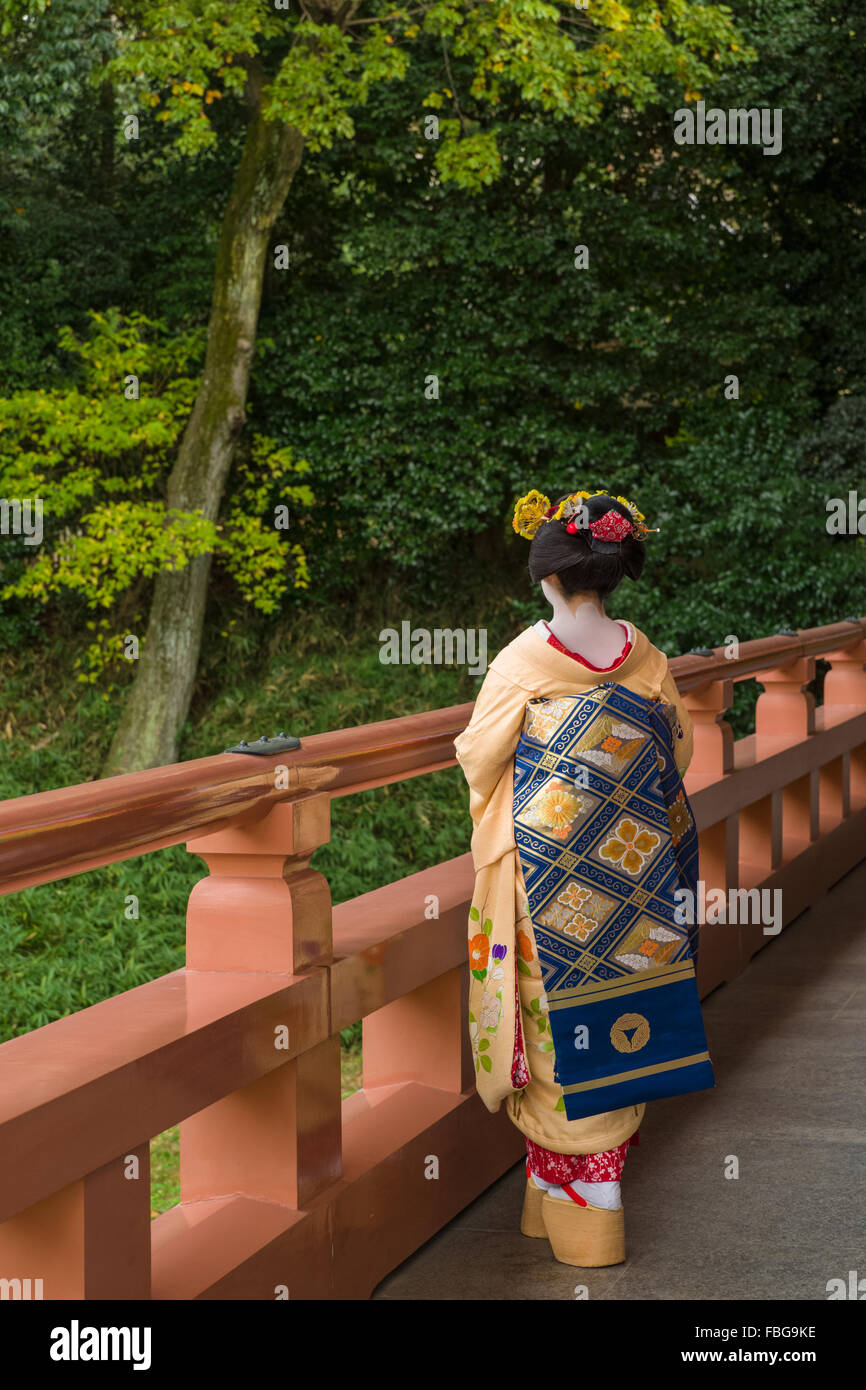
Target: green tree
x=98, y=459
x=705, y=262
x=293, y=82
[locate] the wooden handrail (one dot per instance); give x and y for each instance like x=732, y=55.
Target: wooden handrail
x=691, y=672
x=51, y=835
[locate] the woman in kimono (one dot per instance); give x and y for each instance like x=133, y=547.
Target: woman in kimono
x=583, y=999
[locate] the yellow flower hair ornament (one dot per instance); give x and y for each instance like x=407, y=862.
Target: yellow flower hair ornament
x=529, y=513
x=533, y=509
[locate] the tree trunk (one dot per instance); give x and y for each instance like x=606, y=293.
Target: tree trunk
x=158, y=701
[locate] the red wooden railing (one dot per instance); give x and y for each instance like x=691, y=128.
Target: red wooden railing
x=284, y=1190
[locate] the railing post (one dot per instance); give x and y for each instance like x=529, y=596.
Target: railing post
x=264, y=909
x=713, y=757
x=786, y=709
x=845, y=682
x=845, y=695
x=422, y=1037
x=785, y=714
x=713, y=753
x=89, y=1240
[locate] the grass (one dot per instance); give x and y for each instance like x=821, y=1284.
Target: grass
x=351, y=1069
x=164, y=1171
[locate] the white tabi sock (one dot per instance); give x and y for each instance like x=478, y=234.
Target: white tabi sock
x=598, y=1194
x=539, y=1182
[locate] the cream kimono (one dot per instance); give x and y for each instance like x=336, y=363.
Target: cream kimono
x=500, y=928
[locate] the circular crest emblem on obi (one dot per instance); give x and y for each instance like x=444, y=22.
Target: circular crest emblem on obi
x=630, y=1033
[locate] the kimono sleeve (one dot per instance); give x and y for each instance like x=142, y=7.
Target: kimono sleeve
x=683, y=746
x=487, y=744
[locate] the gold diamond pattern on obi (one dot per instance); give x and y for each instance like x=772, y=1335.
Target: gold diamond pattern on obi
x=557, y=809
x=597, y=904
x=544, y=717
x=609, y=743
x=648, y=944
x=548, y=761
x=567, y=860
x=620, y=795
x=577, y=911
x=581, y=928
x=630, y=847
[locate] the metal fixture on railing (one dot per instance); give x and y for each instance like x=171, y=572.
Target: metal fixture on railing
x=282, y=743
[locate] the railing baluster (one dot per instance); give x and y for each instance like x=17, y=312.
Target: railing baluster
x=89, y=1240
x=713, y=759
x=844, y=695
x=760, y=838
x=785, y=710
x=713, y=755
x=785, y=714
x=422, y=1037
x=264, y=909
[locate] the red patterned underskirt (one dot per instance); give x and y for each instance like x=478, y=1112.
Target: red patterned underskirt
x=560, y=1168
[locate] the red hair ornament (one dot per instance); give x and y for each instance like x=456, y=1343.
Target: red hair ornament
x=613, y=527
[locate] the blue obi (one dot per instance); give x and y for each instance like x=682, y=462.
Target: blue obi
x=606, y=836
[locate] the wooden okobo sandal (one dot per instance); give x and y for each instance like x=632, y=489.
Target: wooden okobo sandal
x=532, y=1221
x=583, y=1235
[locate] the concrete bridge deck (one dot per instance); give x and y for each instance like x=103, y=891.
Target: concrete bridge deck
x=788, y=1043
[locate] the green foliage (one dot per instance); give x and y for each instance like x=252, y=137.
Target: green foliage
x=67, y=945
x=70, y=446
x=317, y=74
x=188, y=71
x=99, y=460
x=704, y=262
x=48, y=52
x=740, y=552
x=165, y=1171
x=252, y=551
x=327, y=73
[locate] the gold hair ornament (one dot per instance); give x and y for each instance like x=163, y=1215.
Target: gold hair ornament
x=534, y=509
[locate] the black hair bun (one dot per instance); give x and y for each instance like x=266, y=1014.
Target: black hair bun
x=583, y=562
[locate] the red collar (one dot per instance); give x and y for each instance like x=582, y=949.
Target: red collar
x=554, y=641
